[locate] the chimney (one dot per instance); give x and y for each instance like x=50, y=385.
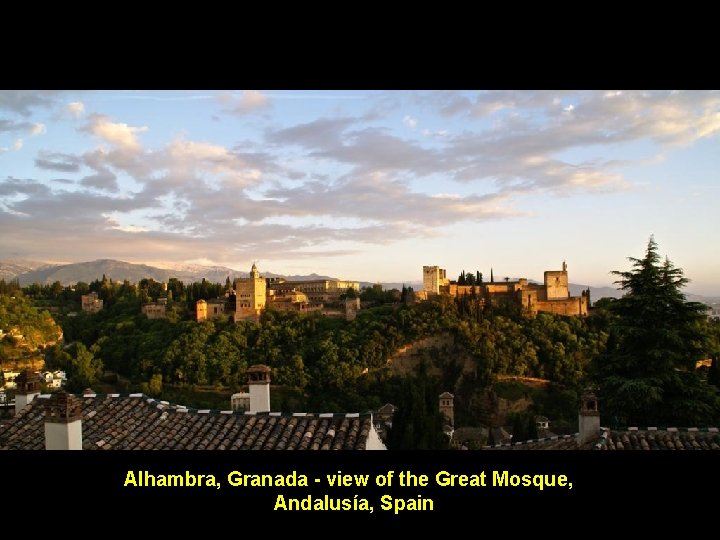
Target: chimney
x=28, y=388
x=446, y=407
x=259, y=386
x=63, y=422
x=588, y=418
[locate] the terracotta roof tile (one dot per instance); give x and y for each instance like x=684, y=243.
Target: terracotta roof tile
x=136, y=422
x=630, y=439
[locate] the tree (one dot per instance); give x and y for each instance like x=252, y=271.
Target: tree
x=647, y=375
x=83, y=369
x=155, y=385
x=417, y=425
x=350, y=293
x=524, y=426
x=714, y=373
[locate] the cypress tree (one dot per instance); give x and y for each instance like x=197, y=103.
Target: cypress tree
x=647, y=375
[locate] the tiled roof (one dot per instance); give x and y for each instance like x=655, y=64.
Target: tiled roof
x=136, y=422
x=660, y=439
x=387, y=409
x=632, y=438
x=558, y=442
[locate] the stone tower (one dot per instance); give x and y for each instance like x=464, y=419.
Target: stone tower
x=201, y=308
x=447, y=409
x=588, y=418
x=434, y=277
x=556, y=283
x=250, y=295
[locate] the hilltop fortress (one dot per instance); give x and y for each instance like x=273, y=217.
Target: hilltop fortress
x=552, y=296
x=251, y=296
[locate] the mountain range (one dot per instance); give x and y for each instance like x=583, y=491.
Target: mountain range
x=27, y=272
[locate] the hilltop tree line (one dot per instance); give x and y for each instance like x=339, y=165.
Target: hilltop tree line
x=183, y=297
x=329, y=362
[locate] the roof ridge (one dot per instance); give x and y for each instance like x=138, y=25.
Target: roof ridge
x=176, y=407
x=706, y=429
x=541, y=439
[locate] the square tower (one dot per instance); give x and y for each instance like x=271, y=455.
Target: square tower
x=250, y=295
x=434, y=277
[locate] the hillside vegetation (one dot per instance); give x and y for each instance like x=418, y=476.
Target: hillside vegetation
x=24, y=332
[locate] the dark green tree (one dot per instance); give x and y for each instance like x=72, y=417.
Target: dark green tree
x=417, y=425
x=647, y=375
x=714, y=373
x=83, y=369
x=519, y=428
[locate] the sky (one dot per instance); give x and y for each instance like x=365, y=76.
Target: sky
x=365, y=185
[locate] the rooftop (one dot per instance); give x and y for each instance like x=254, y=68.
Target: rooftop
x=137, y=422
x=632, y=438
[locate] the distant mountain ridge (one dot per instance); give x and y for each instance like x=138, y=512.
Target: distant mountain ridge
x=11, y=268
x=28, y=272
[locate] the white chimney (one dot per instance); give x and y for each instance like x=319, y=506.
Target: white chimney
x=588, y=419
x=28, y=388
x=240, y=401
x=63, y=422
x=259, y=386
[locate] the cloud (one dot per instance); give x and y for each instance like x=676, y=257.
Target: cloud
x=409, y=121
x=103, y=179
x=118, y=134
x=322, y=186
x=319, y=134
x=246, y=102
x=447, y=103
x=56, y=161
x=10, y=126
x=75, y=108
x=377, y=197
x=23, y=101
x=18, y=144
x=15, y=186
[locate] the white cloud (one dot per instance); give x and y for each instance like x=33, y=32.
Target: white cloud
x=409, y=121
x=38, y=129
x=76, y=108
x=183, y=149
x=18, y=144
x=248, y=101
x=118, y=134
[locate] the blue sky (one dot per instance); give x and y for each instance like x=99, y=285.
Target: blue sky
x=366, y=185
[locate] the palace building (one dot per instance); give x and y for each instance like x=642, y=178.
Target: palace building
x=552, y=296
